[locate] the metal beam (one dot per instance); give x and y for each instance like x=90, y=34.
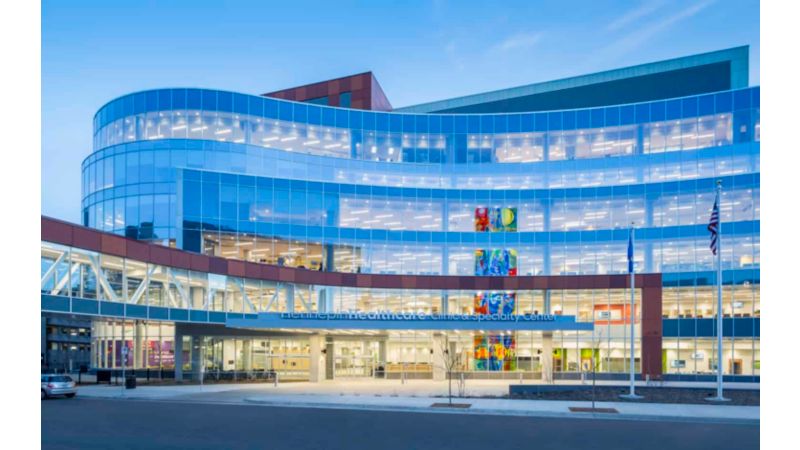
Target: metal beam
x=245, y=298
x=305, y=303
x=53, y=268
x=178, y=287
x=142, y=286
x=65, y=279
x=101, y=278
x=274, y=297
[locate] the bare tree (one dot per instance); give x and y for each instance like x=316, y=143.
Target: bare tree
x=595, y=345
x=451, y=361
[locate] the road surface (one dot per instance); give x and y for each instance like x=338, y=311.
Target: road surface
x=83, y=423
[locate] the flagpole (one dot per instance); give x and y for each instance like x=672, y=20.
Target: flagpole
x=632, y=317
x=633, y=321
x=719, y=397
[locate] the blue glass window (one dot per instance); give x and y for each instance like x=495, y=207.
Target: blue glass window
x=657, y=111
x=191, y=198
x=240, y=104
x=570, y=120
x=225, y=101
x=318, y=100
x=345, y=99
x=741, y=99
x=724, y=102
x=151, y=100
x=584, y=119
x=193, y=99
x=706, y=105
x=301, y=113
x=138, y=103
x=673, y=109
x=285, y=111
x=328, y=117
x=341, y=118
x=598, y=117
x=421, y=123
x=460, y=124
x=209, y=100
x=540, y=122
x=210, y=200
x=271, y=108
x=689, y=107
x=473, y=124
x=355, y=120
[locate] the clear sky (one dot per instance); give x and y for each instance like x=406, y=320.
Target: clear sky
x=420, y=51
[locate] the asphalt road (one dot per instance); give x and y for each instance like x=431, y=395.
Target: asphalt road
x=109, y=424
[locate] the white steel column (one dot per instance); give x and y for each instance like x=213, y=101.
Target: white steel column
x=547, y=357
x=139, y=348
x=439, y=362
x=317, y=358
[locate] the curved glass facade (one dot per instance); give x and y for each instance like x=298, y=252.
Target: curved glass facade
x=342, y=190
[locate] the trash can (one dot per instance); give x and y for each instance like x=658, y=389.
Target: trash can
x=380, y=372
x=130, y=382
x=103, y=376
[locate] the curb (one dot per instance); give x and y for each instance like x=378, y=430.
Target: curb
x=504, y=412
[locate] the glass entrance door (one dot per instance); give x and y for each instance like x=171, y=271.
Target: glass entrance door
x=354, y=358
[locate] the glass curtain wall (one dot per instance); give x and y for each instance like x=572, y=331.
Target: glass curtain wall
x=133, y=344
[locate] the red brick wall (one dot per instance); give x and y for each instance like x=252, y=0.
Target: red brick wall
x=651, y=331
x=365, y=92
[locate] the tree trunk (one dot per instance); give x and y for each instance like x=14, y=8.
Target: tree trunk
x=450, y=388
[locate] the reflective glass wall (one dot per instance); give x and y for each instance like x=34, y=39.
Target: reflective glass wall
x=334, y=189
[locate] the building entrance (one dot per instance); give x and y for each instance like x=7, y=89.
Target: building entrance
x=354, y=358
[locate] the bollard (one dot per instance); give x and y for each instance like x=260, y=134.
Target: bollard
x=276, y=379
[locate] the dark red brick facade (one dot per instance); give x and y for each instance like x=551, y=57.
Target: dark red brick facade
x=364, y=90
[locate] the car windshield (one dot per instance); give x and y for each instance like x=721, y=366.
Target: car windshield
x=60, y=379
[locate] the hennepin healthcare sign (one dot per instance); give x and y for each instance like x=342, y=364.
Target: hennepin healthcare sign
x=389, y=320
x=390, y=315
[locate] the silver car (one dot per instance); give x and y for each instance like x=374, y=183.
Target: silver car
x=58, y=385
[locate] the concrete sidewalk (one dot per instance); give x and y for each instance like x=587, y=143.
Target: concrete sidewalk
x=418, y=396
x=411, y=388
x=533, y=408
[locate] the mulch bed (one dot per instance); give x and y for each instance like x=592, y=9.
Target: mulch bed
x=738, y=397
x=593, y=410
x=451, y=405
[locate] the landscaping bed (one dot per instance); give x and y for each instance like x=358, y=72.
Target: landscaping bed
x=738, y=397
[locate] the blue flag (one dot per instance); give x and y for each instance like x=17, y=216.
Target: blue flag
x=630, y=251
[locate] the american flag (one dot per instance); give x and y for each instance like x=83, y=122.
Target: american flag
x=713, y=225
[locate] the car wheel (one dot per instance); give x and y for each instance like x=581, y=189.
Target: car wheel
x=44, y=394
x=70, y=395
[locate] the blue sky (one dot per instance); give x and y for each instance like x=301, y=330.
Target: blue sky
x=93, y=51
